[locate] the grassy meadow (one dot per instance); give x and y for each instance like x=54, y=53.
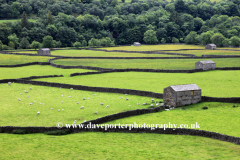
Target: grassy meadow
x=115, y=146
x=172, y=64
x=21, y=113
x=36, y=70
x=155, y=47
x=199, y=53
x=212, y=83
x=219, y=117
x=8, y=59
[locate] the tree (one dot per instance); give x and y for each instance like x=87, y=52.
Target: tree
x=235, y=41
x=13, y=38
x=49, y=17
x=84, y=43
x=93, y=42
x=11, y=45
x=48, y=42
x=175, y=40
x=15, y=9
x=24, y=20
x=24, y=44
x=76, y=44
x=218, y=39
x=163, y=40
x=191, y=38
x=205, y=37
x=180, y=6
x=4, y=32
x=114, y=3
x=35, y=45
x=1, y=44
x=150, y=37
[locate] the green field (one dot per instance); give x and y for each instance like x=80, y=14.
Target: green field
x=12, y=109
x=8, y=59
x=155, y=47
x=172, y=64
x=207, y=52
x=212, y=83
x=217, y=118
x=91, y=53
x=115, y=146
x=36, y=70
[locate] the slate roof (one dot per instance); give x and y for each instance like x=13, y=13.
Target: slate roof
x=207, y=62
x=45, y=49
x=185, y=87
x=212, y=45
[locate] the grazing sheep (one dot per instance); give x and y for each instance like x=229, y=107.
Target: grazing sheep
x=58, y=110
x=88, y=98
x=62, y=95
x=71, y=88
x=75, y=122
x=83, y=98
x=82, y=107
x=152, y=99
x=166, y=109
x=51, y=108
x=107, y=106
x=101, y=103
x=30, y=103
x=53, y=90
x=40, y=103
x=62, y=109
x=38, y=112
x=121, y=97
x=144, y=103
x=85, y=121
x=19, y=99
x=126, y=98
x=94, y=94
x=9, y=83
x=60, y=87
x=27, y=96
x=157, y=104
x=21, y=93
x=129, y=105
x=69, y=96
x=30, y=88
x=26, y=91
x=96, y=112
x=126, y=94
x=34, y=101
x=152, y=105
x=43, y=104
x=61, y=101
x=138, y=103
x=77, y=102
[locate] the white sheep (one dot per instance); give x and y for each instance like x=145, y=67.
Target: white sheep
x=62, y=95
x=83, y=98
x=126, y=98
x=43, y=104
x=61, y=101
x=34, y=101
x=27, y=96
x=88, y=98
x=82, y=107
x=19, y=99
x=58, y=110
x=26, y=91
x=51, y=108
x=144, y=103
x=30, y=88
x=75, y=122
x=85, y=121
x=53, y=90
x=126, y=94
x=166, y=109
x=30, y=103
x=107, y=106
x=60, y=87
x=40, y=103
x=71, y=88
x=69, y=96
x=94, y=94
x=77, y=102
x=101, y=103
x=152, y=105
x=9, y=83
x=138, y=103
x=129, y=105
x=38, y=112
x=121, y=97
x=21, y=93
x=62, y=109
x=96, y=112
x=152, y=99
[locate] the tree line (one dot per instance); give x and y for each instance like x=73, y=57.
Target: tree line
x=108, y=22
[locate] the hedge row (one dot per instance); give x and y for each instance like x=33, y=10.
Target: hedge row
x=92, y=128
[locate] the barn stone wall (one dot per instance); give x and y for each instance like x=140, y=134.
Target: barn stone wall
x=169, y=96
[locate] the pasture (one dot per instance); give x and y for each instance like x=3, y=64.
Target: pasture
x=13, y=20
x=55, y=106
x=172, y=64
x=212, y=83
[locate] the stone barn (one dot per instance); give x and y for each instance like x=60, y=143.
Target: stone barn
x=44, y=51
x=180, y=95
x=210, y=46
x=137, y=44
x=205, y=65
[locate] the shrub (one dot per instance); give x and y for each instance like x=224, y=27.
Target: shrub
x=58, y=132
x=76, y=44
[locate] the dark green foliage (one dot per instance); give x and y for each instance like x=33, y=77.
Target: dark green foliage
x=35, y=45
x=49, y=17
x=48, y=42
x=24, y=44
x=58, y=132
x=20, y=131
x=77, y=45
x=24, y=20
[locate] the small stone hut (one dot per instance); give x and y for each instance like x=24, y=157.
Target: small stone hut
x=137, y=44
x=180, y=95
x=44, y=51
x=205, y=65
x=210, y=46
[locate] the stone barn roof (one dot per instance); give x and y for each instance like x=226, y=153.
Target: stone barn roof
x=212, y=45
x=185, y=87
x=206, y=62
x=45, y=49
